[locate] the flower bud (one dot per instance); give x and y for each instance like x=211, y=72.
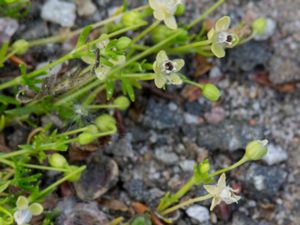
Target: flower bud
x=122, y=102
x=211, y=92
x=204, y=167
x=105, y=122
x=259, y=25
x=75, y=177
x=180, y=10
x=256, y=150
x=86, y=138
x=20, y=46
x=57, y=160
x=92, y=129
x=131, y=18
x=123, y=43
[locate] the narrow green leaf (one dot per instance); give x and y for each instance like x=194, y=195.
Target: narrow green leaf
x=3, y=51
x=84, y=35
x=6, y=100
x=129, y=90
x=110, y=88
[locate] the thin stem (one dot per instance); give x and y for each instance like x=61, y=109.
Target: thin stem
x=52, y=186
x=74, y=131
x=7, y=162
x=233, y=166
x=44, y=167
x=187, y=81
x=139, y=76
x=93, y=95
x=6, y=212
x=191, y=46
x=102, y=106
x=206, y=13
x=186, y=203
x=12, y=154
x=142, y=34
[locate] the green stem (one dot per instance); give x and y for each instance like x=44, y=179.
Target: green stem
x=7, y=162
x=187, y=81
x=233, y=166
x=191, y=46
x=12, y=154
x=6, y=212
x=206, y=13
x=102, y=106
x=74, y=131
x=93, y=95
x=186, y=203
x=142, y=34
x=44, y=167
x=139, y=76
x=54, y=185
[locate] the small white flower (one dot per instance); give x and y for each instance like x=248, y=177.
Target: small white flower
x=221, y=192
x=165, y=10
x=221, y=37
x=24, y=212
x=166, y=70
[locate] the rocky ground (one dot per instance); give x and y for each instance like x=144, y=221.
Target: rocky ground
x=166, y=133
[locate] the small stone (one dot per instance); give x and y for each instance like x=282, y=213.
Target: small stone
x=269, y=31
x=215, y=72
x=100, y=175
x=275, y=155
x=85, y=7
x=137, y=190
x=190, y=119
x=187, y=165
x=60, y=12
x=8, y=27
x=199, y=213
x=242, y=219
x=163, y=155
x=81, y=214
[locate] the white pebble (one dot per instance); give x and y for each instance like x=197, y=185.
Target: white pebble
x=215, y=72
x=275, y=155
x=187, y=165
x=199, y=213
x=60, y=12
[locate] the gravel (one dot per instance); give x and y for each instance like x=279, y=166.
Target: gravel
x=198, y=213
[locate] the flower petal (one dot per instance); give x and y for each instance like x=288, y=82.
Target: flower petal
x=22, y=203
x=158, y=14
x=22, y=217
x=160, y=81
x=153, y=4
x=223, y=23
x=36, y=209
x=178, y=63
x=175, y=79
x=218, y=50
x=170, y=22
x=214, y=203
x=212, y=189
x=210, y=34
x=161, y=57
x=222, y=181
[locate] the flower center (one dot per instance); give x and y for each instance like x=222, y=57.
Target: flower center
x=167, y=67
x=225, y=38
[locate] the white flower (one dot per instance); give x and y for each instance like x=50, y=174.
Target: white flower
x=221, y=37
x=166, y=70
x=24, y=212
x=165, y=10
x=221, y=192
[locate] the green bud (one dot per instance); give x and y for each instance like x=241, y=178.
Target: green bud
x=75, y=177
x=204, y=167
x=86, y=138
x=180, y=10
x=105, y=122
x=57, y=160
x=256, y=150
x=92, y=129
x=211, y=92
x=122, y=102
x=123, y=43
x=259, y=25
x=131, y=18
x=20, y=46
